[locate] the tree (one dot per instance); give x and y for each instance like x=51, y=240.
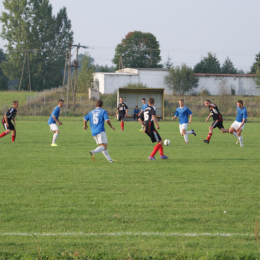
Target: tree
x=86, y=77
x=34, y=33
x=255, y=65
x=228, y=67
x=181, y=79
x=3, y=78
x=209, y=64
x=168, y=64
x=138, y=50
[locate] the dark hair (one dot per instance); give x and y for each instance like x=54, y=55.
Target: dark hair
x=136, y=106
x=208, y=100
x=181, y=100
x=15, y=102
x=121, y=97
x=60, y=100
x=151, y=100
x=143, y=98
x=240, y=101
x=99, y=103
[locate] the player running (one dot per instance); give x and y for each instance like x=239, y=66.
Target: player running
x=148, y=119
x=97, y=118
x=238, y=126
x=182, y=112
x=7, y=121
x=122, y=109
x=144, y=106
x=217, y=120
x=54, y=121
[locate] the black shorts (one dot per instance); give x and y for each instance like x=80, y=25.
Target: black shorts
x=153, y=134
x=218, y=124
x=10, y=127
x=121, y=116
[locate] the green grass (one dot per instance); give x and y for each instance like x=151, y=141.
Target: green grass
x=59, y=190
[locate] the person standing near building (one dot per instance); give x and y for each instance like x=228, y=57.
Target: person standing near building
x=122, y=110
x=144, y=106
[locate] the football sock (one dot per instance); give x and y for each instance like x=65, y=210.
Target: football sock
x=55, y=137
x=161, y=150
x=235, y=134
x=155, y=150
x=122, y=125
x=188, y=132
x=13, y=138
x=106, y=154
x=3, y=134
x=99, y=149
x=209, y=136
x=186, y=138
x=240, y=138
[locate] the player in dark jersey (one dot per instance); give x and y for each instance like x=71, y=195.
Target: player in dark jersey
x=148, y=119
x=217, y=119
x=7, y=121
x=122, y=109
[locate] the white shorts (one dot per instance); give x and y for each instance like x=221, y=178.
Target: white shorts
x=236, y=124
x=54, y=127
x=101, y=138
x=183, y=126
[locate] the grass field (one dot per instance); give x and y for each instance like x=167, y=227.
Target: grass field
x=57, y=203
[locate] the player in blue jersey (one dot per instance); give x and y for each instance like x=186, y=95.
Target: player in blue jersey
x=144, y=106
x=183, y=112
x=54, y=121
x=97, y=118
x=238, y=126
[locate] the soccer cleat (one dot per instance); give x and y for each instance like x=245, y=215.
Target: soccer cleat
x=112, y=160
x=164, y=157
x=206, y=141
x=54, y=144
x=151, y=158
x=193, y=132
x=92, y=156
x=241, y=145
x=140, y=130
x=237, y=142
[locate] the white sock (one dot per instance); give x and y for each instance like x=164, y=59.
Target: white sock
x=188, y=132
x=54, y=137
x=142, y=127
x=186, y=138
x=240, y=138
x=99, y=149
x=235, y=134
x=106, y=154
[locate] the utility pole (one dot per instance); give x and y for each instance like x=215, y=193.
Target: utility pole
x=64, y=76
x=29, y=72
x=68, y=82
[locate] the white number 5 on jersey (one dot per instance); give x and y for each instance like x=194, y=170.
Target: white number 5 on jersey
x=95, y=119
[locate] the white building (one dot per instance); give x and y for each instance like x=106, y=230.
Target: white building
x=242, y=84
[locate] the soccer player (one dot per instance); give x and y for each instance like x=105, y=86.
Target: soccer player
x=148, y=119
x=144, y=106
x=54, y=121
x=122, y=109
x=182, y=112
x=217, y=120
x=238, y=126
x=7, y=121
x=97, y=118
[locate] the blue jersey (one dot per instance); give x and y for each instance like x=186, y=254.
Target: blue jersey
x=183, y=113
x=97, y=118
x=144, y=106
x=56, y=113
x=241, y=114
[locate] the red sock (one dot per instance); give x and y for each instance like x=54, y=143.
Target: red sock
x=161, y=150
x=122, y=125
x=13, y=138
x=3, y=134
x=155, y=150
x=209, y=136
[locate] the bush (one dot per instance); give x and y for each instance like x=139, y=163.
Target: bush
x=3, y=83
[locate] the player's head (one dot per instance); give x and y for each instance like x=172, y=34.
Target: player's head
x=121, y=100
x=61, y=103
x=207, y=102
x=143, y=100
x=15, y=104
x=240, y=103
x=99, y=103
x=151, y=101
x=181, y=102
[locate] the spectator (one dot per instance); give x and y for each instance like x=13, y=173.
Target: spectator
x=136, y=112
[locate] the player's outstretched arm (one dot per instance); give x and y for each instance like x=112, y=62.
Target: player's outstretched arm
x=174, y=117
x=6, y=121
x=155, y=121
x=190, y=119
x=85, y=126
x=208, y=117
x=109, y=123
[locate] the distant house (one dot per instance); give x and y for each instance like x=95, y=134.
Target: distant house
x=241, y=84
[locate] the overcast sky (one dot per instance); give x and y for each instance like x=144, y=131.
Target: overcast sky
x=186, y=29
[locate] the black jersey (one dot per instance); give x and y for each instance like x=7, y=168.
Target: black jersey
x=121, y=107
x=215, y=113
x=10, y=114
x=149, y=112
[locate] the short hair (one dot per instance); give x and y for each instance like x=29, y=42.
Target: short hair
x=240, y=101
x=181, y=100
x=136, y=106
x=99, y=103
x=208, y=100
x=143, y=99
x=121, y=97
x=151, y=100
x=15, y=102
x=60, y=100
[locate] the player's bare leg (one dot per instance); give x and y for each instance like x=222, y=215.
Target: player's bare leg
x=101, y=148
x=13, y=135
x=238, y=135
x=142, y=129
x=55, y=135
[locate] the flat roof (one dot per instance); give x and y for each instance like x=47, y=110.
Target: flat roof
x=224, y=75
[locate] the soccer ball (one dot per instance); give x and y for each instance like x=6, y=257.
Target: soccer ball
x=167, y=142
